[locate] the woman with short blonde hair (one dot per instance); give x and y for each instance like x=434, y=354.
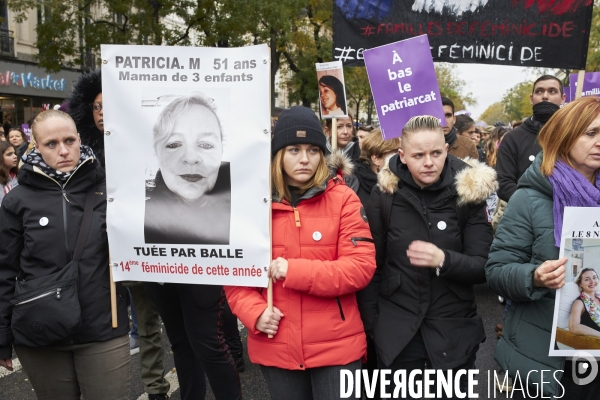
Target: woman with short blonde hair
x=428, y=219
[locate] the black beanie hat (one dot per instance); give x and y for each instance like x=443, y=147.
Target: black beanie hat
x=298, y=125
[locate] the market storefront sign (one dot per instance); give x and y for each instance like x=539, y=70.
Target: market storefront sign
x=25, y=80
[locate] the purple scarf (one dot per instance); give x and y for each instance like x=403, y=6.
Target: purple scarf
x=571, y=189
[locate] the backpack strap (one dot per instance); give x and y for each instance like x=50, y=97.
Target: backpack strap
x=86, y=223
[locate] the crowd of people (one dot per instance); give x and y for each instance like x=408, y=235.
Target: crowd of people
x=377, y=245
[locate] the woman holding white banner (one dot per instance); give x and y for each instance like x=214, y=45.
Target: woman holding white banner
x=523, y=264
x=322, y=255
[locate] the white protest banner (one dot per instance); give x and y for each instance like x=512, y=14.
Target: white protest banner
x=187, y=138
x=332, y=90
x=576, y=326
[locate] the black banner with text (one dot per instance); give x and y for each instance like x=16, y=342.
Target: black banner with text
x=529, y=33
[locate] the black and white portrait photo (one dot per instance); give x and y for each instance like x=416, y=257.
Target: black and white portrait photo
x=189, y=199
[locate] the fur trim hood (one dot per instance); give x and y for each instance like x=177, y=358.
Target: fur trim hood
x=473, y=181
x=340, y=163
x=84, y=92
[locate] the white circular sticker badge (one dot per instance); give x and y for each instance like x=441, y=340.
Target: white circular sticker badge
x=43, y=221
x=317, y=236
x=531, y=158
x=441, y=225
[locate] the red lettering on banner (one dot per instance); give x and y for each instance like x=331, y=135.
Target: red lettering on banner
x=475, y=28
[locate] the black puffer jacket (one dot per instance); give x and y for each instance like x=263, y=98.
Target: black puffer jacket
x=403, y=299
x=33, y=250
x=516, y=153
x=367, y=180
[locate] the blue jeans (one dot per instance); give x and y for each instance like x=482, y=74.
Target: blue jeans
x=311, y=384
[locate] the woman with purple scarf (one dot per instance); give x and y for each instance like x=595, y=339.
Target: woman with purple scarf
x=523, y=263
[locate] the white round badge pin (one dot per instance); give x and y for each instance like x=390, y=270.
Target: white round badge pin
x=441, y=225
x=43, y=221
x=531, y=158
x=317, y=236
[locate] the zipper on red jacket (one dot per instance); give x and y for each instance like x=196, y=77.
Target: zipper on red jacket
x=340, y=306
x=296, y=217
x=361, y=239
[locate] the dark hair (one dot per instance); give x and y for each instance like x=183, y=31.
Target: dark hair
x=463, y=122
x=447, y=102
x=4, y=174
x=334, y=84
x=547, y=78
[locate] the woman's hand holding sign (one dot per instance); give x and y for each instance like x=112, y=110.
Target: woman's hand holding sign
x=268, y=321
x=278, y=269
x=551, y=274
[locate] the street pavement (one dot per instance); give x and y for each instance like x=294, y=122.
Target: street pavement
x=15, y=386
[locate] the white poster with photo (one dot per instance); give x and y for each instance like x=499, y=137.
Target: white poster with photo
x=332, y=90
x=576, y=324
x=187, y=138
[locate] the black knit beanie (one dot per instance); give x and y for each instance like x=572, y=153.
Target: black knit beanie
x=298, y=125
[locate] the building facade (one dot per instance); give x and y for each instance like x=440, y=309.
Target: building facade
x=26, y=89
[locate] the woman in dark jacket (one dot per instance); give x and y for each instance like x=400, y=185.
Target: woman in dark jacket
x=523, y=262
x=432, y=235
x=40, y=221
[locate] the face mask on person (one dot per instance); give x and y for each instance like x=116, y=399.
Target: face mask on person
x=542, y=111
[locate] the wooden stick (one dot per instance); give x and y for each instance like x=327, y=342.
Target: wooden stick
x=334, y=134
x=270, y=287
x=580, y=77
x=270, y=299
x=113, y=298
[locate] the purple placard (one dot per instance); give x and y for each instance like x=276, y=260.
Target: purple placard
x=591, y=85
x=567, y=91
x=404, y=84
x=27, y=131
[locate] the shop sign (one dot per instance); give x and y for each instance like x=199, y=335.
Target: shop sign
x=26, y=80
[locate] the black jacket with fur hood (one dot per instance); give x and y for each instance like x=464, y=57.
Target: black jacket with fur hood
x=84, y=92
x=403, y=300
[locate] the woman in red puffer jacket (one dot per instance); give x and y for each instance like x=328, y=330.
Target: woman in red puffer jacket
x=323, y=253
